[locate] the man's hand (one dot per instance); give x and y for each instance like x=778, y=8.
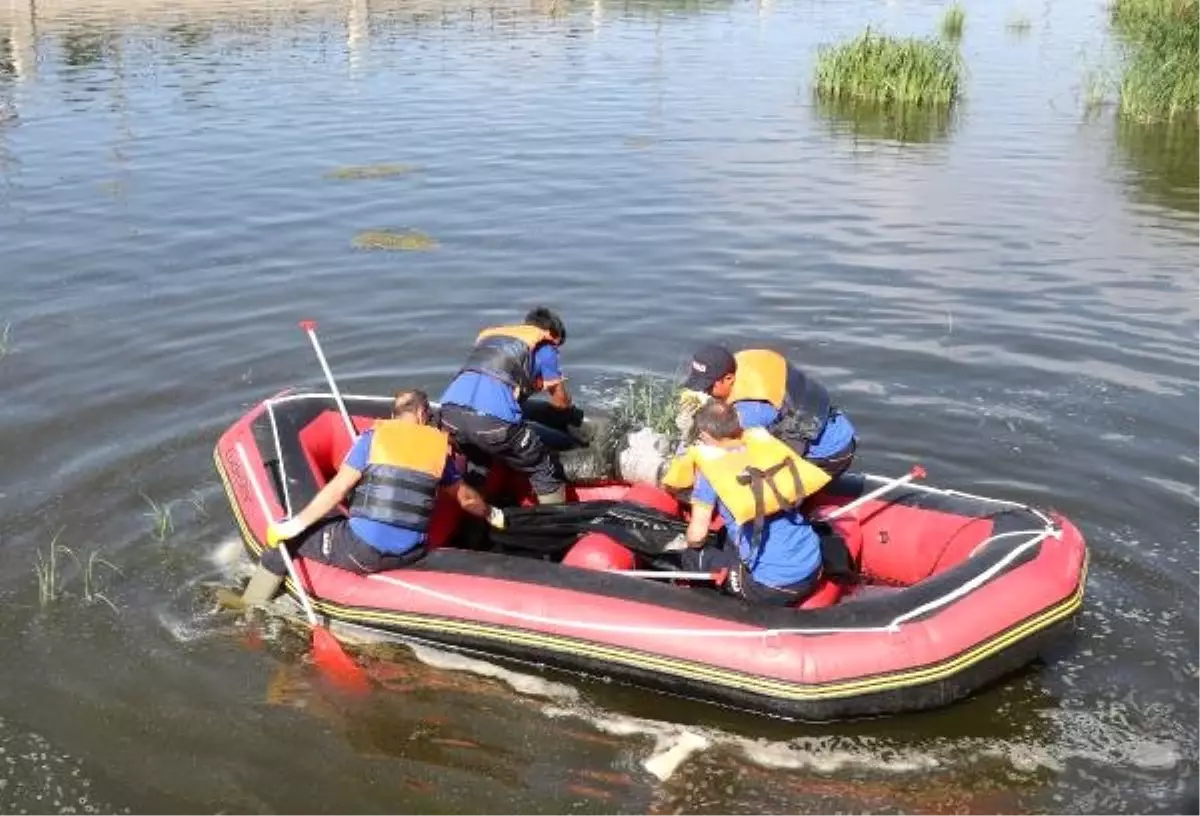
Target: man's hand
x=495, y=517
x=278, y=531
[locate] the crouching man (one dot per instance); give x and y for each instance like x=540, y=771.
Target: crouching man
x=756, y=482
x=398, y=466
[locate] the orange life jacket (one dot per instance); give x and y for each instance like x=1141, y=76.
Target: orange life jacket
x=506, y=353
x=404, y=466
x=802, y=401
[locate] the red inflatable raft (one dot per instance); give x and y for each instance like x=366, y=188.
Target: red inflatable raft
x=956, y=590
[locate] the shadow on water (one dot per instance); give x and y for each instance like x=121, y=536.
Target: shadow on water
x=1164, y=162
x=905, y=124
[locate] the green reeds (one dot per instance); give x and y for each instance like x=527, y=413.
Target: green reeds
x=953, y=22
x=6, y=340
x=885, y=70
x=160, y=516
x=1019, y=25
x=49, y=576
x=1161, y=79
x=46, y=569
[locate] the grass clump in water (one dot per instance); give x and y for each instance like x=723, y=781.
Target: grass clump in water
x=6, y=341
x=404, y=241
x=160, y=515
x=1161, y=78
x=889, y=70
x=953, y=22
x=1019, y=25
x=46, y=569
x=369, y=171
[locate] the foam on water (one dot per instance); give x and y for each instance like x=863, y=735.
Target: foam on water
x=37, y=778
x=1077, y=736
x=529, y=684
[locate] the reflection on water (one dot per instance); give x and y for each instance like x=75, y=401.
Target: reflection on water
x=1163, y=162
x=890, y=123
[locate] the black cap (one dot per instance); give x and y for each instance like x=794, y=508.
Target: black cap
x=709, y=364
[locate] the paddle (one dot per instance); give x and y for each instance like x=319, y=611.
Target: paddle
x=327, y=652
x=717, y=577
x=310, y=328
x=917, y=472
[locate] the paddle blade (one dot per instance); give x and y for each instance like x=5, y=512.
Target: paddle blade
x=331, y=659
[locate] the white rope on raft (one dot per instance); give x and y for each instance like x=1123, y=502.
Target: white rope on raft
x=667, y=631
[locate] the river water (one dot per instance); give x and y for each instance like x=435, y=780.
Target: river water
x=1008, y=297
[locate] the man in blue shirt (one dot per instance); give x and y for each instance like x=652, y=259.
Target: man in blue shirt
x=773, y=554
x=769, y=392
x=397, y=466
x=481, y=407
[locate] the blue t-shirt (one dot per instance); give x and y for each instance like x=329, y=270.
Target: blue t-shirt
x=387, y=538
x=834, y=439
x=485, y=394
x=790, y=550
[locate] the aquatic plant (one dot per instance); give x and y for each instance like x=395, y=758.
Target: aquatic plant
x=369, y=171
x=6, y=340
x=196, y=500
x=164, y=525
x=953, y=21
x=1161, y=79
x=1019, y=25
x=46, y=569
x=89, y=579
x=405, y=241
x=889, y=70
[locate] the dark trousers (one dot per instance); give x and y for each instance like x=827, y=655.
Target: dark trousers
x=332, y=542
x=481, y=438
x=740, y=582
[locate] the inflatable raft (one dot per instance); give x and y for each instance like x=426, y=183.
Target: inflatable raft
x=954, y=590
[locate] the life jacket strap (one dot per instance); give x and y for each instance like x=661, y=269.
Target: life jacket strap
x=756, y=479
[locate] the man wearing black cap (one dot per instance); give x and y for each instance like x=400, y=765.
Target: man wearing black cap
x=769, y=392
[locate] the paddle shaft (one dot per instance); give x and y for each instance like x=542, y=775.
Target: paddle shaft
x=287, y=558
x=310, y=328
x=917, y=472
x=668, y=575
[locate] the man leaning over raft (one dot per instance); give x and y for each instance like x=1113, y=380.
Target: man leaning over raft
x=401, y=462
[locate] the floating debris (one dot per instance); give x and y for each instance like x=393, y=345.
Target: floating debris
x=370, y=171
x=403, y=240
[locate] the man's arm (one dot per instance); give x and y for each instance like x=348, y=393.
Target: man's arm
x=329, y=497
x=468, y=498
x=697, y=531
x=704, y=501
x=546, y=368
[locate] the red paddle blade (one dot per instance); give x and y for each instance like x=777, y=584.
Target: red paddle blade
x=331, y=659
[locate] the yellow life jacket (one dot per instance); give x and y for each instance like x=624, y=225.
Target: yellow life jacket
x=506, y=353
x=404, y=466
x=757, y=479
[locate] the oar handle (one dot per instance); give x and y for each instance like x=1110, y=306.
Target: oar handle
x=310, y=328
x=266, y=511
x=917, y=472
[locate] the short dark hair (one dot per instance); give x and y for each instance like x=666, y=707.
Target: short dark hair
x=547, y=320
x=719, y=420
x=409, y=401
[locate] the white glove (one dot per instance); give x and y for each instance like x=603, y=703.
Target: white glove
x=676, y=544
x=284, y=530
x=496, y=518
